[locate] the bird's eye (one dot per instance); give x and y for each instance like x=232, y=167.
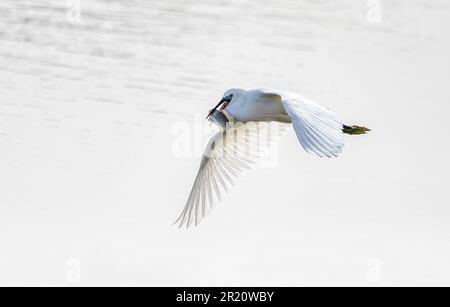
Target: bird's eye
x=228, y=98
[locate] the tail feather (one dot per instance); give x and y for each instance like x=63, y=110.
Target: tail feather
x=354, y=130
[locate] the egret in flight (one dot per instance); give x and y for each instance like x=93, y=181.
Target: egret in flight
x=242, y=115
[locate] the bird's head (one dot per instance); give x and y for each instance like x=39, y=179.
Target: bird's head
x=228, y=97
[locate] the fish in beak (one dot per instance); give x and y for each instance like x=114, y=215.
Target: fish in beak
x=219, y=118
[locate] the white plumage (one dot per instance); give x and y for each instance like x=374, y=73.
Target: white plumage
x=318, y=129
x=243, y=116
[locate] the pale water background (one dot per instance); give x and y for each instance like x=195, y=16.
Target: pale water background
x=89, y=184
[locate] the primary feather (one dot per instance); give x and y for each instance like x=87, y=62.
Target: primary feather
x=228, y=154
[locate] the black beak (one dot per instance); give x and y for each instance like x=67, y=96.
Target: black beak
x=215, y=108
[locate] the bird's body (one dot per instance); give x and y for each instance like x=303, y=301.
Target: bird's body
x=232, y=150
x=257, y=105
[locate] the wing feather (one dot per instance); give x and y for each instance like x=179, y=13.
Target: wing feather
x=318, y=130
x=228, y=155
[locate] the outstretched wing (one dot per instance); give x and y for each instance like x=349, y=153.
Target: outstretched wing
x=318, y=129
x=228, y=154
